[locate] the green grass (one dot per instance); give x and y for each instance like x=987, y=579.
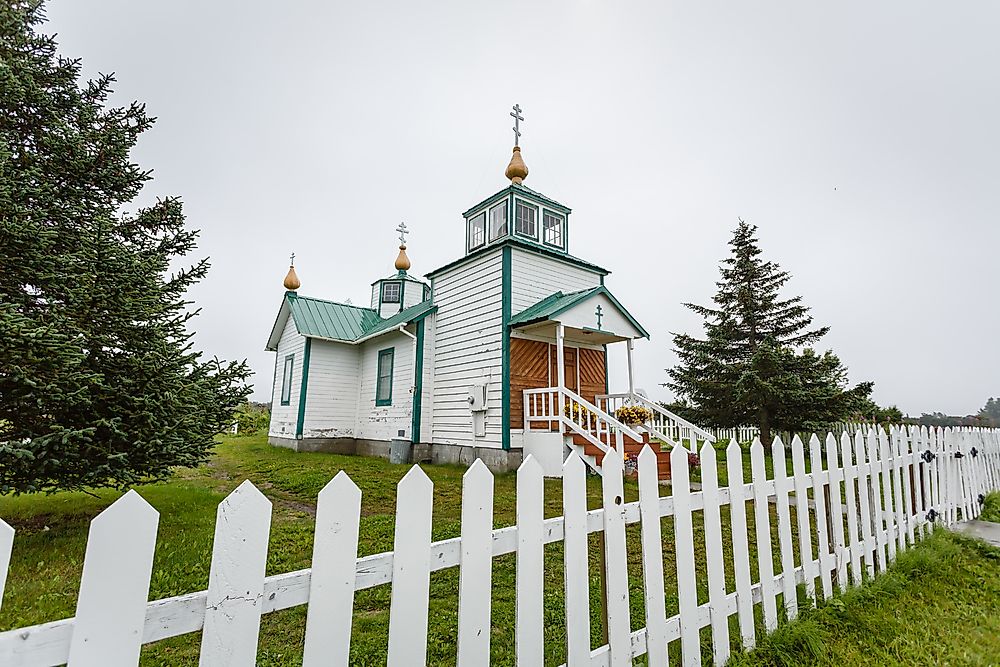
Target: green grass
x=51, y=538
x=938, y=604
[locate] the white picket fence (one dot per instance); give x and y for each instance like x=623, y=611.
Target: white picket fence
x=871, y=497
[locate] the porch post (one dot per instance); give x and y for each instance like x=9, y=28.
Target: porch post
x=560, y=356
x=631, y=377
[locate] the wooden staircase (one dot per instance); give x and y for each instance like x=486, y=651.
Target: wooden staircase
x=632, y=447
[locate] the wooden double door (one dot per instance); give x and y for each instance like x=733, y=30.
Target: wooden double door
x=534, y=365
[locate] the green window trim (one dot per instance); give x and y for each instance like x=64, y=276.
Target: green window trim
x=381, y=377
x=286, y=379
x=501, y=230
x=476, y=231
x=300, y=420
x=385, y=296
x=518, y=220
x=561, y=220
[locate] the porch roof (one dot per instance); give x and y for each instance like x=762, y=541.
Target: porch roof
x=555, y=304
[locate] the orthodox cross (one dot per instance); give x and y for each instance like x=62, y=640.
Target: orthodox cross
x=516, y=115
x=600, y=313
x=291, y=260
x=402, y=232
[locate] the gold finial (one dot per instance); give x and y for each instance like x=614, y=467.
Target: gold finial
x=292, y=281
x=516, y=171
x=402, y=261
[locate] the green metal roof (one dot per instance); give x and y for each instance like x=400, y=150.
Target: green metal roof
x=523, y=190
x=318, y=318
x=558, y=302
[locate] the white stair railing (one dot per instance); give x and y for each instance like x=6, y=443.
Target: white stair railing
x=664, y=425
x=558, y=405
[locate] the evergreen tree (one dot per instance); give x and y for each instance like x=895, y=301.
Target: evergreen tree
x=99, y=384
x=990, y=413
x=755, y=364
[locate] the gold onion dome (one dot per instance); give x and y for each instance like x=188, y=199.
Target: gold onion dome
x=292, y=282
x=402, y=261
x=517, y=171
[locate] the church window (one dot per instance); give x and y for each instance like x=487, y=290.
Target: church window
x=524, y=220
x=552, y=229
x=286, y=380
x=383, y=387
x=390, y=292
x=477, y=230
x=498, y=221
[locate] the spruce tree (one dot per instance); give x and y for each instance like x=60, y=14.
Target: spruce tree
x=99, y=383
x=755, y=364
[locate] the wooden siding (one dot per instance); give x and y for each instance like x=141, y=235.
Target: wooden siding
x=533, y=366
x=427, y=395
x=332, y=393
x=284, y=417
x=467, y=350
x=535, y=277
x=383, y=422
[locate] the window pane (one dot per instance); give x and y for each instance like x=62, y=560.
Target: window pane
x=390, y=292
x=524, y=222
x=477, y=231
x=498, y=221
x=383, y=389
x=552, y=229
x=286, y=379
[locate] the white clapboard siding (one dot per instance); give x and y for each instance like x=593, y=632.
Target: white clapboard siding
x=717, y=603
x=762, y=525
x=687, y=589
x=476, y=569
x=114, y=618
x=535, y=276
x=741, y=547
x=6, y=546
x=284, y=417
x=529, y=640
x=781, y=489
x=652, y=559
x=411, y=570
x=616, y=558
x=852, y=491
x=801, y=484
x=332, y=581
x=114, y=589
x=332, y=392
x=236, y=579
x=576, y=561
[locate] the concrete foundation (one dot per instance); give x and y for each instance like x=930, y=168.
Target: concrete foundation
x=497, y=460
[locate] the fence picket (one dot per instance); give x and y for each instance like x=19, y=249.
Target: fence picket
x=687, y=590
x=741, y=546
x=575, y=557
x=927, y=502
x=901, y=487
x=877, y=516
x=530, y=576
x=475, y=583
x=854, y=541
x=236, y=579
x=888, y=511
x=114, y=589
x=6, y=547
x=718, y=608
x=652, y=559
x=864, y=503
x=907, y=478
x=802, y=484
x=827, y=559
x=762, y=525
x=781, y=490
x=616, y=558
x=332, y=580
x=411, y=570
x=935, y=473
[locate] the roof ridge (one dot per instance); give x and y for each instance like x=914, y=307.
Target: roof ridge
x=336, y=303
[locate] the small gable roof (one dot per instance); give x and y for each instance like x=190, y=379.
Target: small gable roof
x=341, y=322
x=554, y=304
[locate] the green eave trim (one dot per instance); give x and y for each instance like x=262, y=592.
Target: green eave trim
x=505, y=348
x=522, y=191
x=523, y=244
x=558, y=303
x=302, y=391
x=418, y=382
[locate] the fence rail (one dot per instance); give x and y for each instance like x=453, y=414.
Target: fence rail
x=864, y=499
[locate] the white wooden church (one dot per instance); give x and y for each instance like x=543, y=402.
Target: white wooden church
x=500, y=353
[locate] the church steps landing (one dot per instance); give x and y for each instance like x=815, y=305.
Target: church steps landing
x=595, y=454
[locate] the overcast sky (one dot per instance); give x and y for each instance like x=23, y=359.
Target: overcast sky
x=861, y=137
